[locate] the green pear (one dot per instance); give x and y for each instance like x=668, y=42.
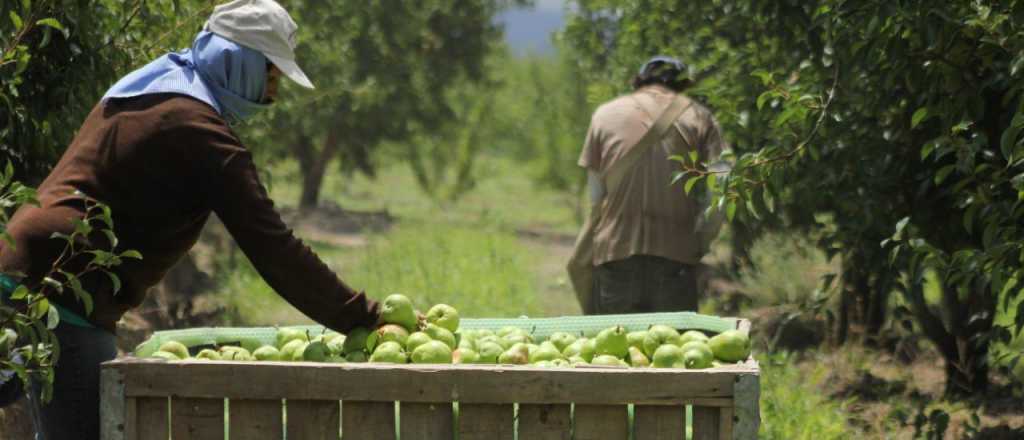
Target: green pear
x=441, y=334
x=397, y=309
x=483, y=333
x=176, y=348
x=730, y=346
x=576, y=360
x=487, y=338
x=561, y=340
x=637, y=358
x=465, y=356
x=612, y=341
x=300, y=352
x=518, y=354
x=389, y=352
x=331, y=335
x=489, y=351
x=589, y=350
x=560, y=363
x=515, y=338
x=288, y=350
x=357, y=357
x=355, y=340
x=445, y=316
x=391, y=332
x=466, y=343
x=690, y=336
x=433, y=352
x=415, y=340
x=160, y=354
x=608, y=360
x=231, y=353
x=545, y=353
x=208, y=354
x=695, y=359
x=636, y=339
x=668, y=356
x=507, y=330
x=267, y=353
x=657, y=336
x=336, y=345
x=336, y=359
x=541, y=364
x=701, y=346
x=288, y=334
x=316, y=352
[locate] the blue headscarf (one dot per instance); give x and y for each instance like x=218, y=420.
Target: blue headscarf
x=229, y=77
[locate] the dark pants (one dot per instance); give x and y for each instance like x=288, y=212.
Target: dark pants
x=644, y=284
x=74, y=411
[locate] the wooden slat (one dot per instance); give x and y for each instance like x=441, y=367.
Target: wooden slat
x=653, y=422
x=113, y=411
x=747, y=412
x=197, y=419
x=427, y=421
x=313, y=419
x=482, y=421
x=256, y=419
x=705, y=423
x=434, y=383
x=367, y=420
x=544, y=422
x=600, y=422
x=725, y=424
x=152, y=416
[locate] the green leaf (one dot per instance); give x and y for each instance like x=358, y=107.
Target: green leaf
x=16, y=19
x=116, y=281
x=131, y=253
x=690, y=183
x=51, y=22
x=21, y=292
x=52, y=318
x=730, y=210
x=919, y=116
x=693, y=157
x=56, y=285
x=943, y=173
x=111, y=238
x=40, y=309
x=900, y=226
x=763, y=99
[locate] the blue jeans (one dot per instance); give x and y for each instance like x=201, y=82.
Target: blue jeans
x=74, y=411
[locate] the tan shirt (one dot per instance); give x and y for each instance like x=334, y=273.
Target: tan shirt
x=646, y=215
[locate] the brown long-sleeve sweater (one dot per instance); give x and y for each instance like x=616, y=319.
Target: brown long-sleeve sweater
x=163, y=163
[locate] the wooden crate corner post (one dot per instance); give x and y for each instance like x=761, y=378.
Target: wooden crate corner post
x=746, y=409
x=112, y=404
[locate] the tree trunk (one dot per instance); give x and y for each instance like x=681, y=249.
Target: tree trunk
x=313, y=169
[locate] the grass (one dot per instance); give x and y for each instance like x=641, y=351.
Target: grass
x=793, y=406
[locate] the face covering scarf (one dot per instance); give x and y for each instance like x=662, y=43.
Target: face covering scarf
x=229, y=77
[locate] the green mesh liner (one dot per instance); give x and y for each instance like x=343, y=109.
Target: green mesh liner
x=252, y=337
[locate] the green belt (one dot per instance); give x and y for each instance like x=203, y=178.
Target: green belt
x=7, y=286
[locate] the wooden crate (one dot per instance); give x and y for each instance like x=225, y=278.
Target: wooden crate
x=146, y=399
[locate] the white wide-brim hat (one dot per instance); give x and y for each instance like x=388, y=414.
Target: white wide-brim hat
x=261, y=25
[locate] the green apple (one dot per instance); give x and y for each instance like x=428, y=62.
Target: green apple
x=445, y=316
x=608, y=360
x=518, y=354
x=441, y=334
x=465, y=356
x=730, y=346
x=389, y=352
x=289, y=349
x=612, y=341
x=267, y=353
x=355, y=340
x=397, y=309
x=433, y=352
x=690, y=336
x=561, y=340
x=415, y=340
x=208, y=354
x=160, y=354
x=176, y=348
x=637, y=358
x=288, y=334
x=657, y=336
x=668, y=356
x=489, y=351
x=545, y=353
x=316, y=352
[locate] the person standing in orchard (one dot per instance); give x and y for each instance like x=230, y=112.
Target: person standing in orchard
x=160, y=151
x=641, y=246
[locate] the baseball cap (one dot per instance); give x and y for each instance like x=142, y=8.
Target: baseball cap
x=658, y=65
x=262, y=25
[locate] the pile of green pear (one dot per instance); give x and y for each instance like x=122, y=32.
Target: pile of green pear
x=402, y=337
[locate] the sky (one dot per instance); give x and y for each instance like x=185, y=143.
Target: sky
x=529, y=30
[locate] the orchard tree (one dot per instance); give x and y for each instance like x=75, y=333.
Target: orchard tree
x=897, y=123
